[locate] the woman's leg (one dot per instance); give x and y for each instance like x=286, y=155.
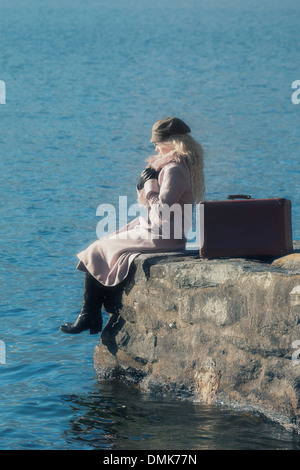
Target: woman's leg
x=90, y=317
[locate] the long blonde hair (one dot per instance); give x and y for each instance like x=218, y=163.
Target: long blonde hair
x=189, y=151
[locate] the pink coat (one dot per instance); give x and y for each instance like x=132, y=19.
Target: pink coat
x=108, y=259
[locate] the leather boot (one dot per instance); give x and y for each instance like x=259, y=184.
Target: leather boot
x=90, y=317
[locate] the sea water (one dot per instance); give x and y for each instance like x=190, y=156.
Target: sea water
x=84, y=82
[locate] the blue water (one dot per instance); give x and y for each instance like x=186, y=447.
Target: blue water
x=84, y=83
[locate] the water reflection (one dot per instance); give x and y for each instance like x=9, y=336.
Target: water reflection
x=115, y=416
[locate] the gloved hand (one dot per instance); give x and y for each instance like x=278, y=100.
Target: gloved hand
x=147, y=174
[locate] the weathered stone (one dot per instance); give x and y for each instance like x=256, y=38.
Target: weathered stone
x=217, y=331
x=291, y=261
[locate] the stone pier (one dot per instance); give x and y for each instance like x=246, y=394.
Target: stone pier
x=222, y=331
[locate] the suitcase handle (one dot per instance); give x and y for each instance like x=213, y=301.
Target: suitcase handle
x=238, y=196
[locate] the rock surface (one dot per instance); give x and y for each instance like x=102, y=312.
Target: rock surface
x=214, y=331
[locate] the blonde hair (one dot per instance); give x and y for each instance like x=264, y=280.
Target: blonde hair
x=190, y=152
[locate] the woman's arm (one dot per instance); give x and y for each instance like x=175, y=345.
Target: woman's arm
x=163, y=196
x=169, y=188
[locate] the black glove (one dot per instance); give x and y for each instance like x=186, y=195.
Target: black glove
x=147, y=174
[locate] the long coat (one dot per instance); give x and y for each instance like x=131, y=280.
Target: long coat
x=109, y=258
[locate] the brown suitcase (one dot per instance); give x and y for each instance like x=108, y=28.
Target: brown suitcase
x=245, y=227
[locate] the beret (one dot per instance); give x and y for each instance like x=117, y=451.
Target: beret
x=168, y=126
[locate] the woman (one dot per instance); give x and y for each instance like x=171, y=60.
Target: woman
x=172, y=182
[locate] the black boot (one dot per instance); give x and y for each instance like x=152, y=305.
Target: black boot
x=90, y=317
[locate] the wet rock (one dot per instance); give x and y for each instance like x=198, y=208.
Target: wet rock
x=217, y=331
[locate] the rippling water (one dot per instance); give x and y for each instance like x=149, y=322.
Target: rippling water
x=84, y=83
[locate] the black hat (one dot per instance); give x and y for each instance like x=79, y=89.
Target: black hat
x=164, y=128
